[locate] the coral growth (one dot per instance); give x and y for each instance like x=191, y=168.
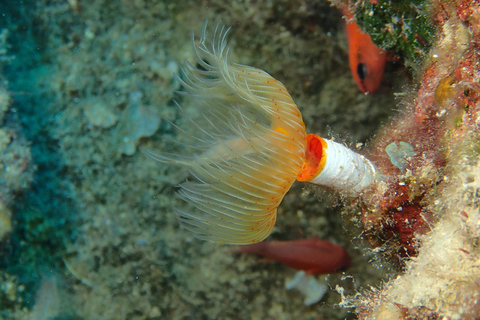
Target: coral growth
x=444, y=277
x=430, y=212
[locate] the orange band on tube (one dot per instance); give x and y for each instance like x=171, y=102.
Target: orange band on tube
x=315, y=158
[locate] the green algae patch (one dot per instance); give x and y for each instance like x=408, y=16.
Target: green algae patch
x=402, y=27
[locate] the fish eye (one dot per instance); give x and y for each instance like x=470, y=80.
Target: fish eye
x=362, y=70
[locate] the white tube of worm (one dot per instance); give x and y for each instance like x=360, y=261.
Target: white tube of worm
x=331, y=164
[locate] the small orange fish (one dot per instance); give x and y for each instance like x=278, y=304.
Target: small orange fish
x=312, y=255
x=367, y=61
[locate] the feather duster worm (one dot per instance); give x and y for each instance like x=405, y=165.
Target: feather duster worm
x=251, y=146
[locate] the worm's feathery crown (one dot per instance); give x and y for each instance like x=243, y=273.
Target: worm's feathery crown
x=249, y=148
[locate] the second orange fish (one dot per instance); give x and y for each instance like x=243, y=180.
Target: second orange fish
x=367, y=61
x=312, y=255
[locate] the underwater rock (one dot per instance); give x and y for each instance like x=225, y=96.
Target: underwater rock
x=166, y=72
x=14, y=151
x=14, y=167
x=15, y=164
x=309, y=286
x=99, y=114
x=137, y=121
x=434, y=208
x=47, y=300
x=444, y=278
x=15, y=174
x=5, y=221
x=5, y=99
x=4, y=102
